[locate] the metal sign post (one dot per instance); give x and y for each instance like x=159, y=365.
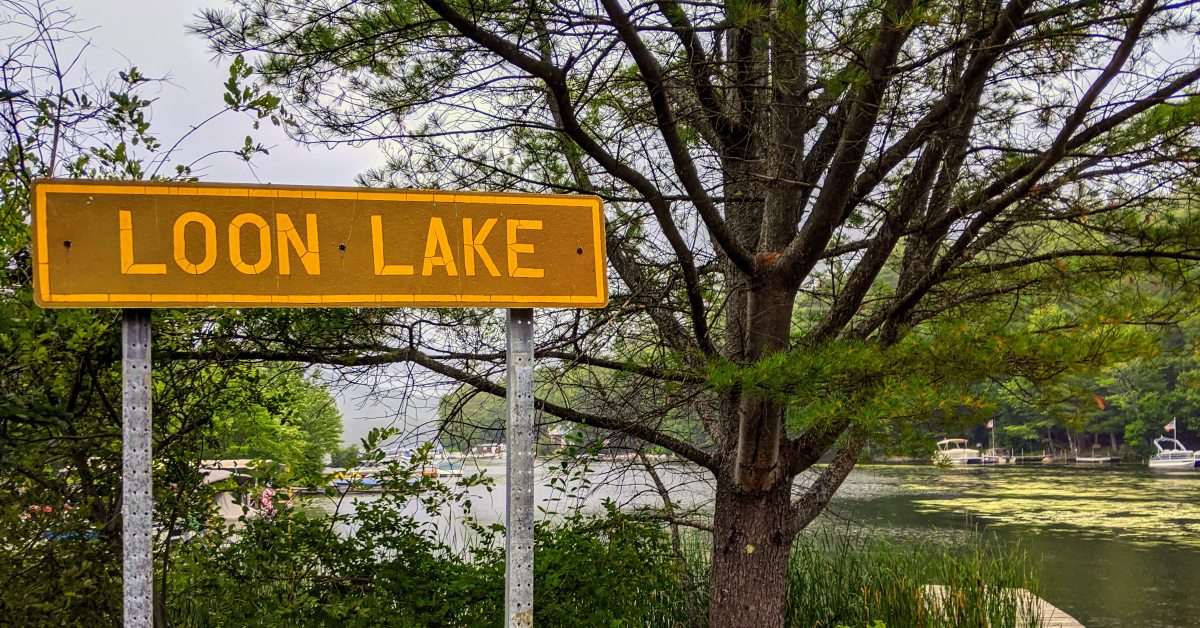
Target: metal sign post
x=137, y=498
x=518, y=545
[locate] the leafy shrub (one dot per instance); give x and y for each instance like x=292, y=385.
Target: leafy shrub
x=56, y=572
x=382, y=566
x=611, y=570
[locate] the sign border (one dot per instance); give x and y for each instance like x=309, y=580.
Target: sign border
x=45, y=297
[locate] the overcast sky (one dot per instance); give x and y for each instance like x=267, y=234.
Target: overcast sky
x=152, y=35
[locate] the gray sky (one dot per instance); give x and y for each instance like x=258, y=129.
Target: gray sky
x=152, y=35
x=383, y=400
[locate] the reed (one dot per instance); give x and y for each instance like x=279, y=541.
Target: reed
x=848, y=578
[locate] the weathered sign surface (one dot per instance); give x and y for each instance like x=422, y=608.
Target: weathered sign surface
x=123, y=244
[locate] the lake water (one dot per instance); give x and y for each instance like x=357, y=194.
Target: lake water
x=1119, y=545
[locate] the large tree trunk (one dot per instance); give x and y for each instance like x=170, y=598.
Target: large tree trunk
x=754, y=525
x=752, y=537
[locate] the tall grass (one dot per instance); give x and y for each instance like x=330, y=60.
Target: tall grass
x=838, y=577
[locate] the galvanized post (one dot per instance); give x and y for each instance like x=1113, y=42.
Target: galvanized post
x=137, y=500
x=518, y=573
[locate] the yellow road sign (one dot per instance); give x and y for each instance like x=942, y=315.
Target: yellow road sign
x=136, y=244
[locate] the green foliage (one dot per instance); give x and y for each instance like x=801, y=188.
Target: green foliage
x=376, y=564
x=1118, y=407
x=278, y=415
x=934, y=372
x=1161, y=121
x=1145, y=394
x=345, y=457
x=54, y=570
x=609, y=570
x=299, y=569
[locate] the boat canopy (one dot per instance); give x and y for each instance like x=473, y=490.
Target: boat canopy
x=1174, y=445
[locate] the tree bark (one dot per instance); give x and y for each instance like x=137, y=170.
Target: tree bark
x=752, y=537
x=754, y=524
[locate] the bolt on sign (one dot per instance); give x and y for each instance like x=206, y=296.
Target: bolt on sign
x=138, y=245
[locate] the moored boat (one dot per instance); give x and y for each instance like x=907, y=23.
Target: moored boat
x=954, y=451
x=997, y=456
x=1173, y=455
x=450, y=470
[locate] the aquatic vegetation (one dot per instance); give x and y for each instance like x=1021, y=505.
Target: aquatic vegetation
x=842, y=577
x=1136, y=506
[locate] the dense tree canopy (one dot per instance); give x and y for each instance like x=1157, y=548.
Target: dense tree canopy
x=820, y=214
x=281, y=416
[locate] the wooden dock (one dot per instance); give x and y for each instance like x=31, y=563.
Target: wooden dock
x=1054, y=617
x=1049, y=615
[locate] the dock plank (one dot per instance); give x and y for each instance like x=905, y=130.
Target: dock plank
x=1054, y=617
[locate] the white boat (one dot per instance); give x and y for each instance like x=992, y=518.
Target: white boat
x=997, y=456
x=954, y=451
x=1173, y=455
x=450, y=470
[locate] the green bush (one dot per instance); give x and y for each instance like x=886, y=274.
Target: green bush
x=52, y=575
x=298, y=570
x=382, y=566
x=610, y=570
